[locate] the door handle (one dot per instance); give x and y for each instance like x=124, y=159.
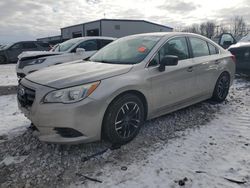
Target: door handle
x=190, y=69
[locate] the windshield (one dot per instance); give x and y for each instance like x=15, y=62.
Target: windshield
x=65, y=46
x=7, y=46
x=127, y=50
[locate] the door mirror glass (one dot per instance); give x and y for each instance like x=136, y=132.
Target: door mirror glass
x=168, y=60
x=80, y=51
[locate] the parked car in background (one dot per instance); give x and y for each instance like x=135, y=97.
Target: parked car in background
x=9, y=53
x=133, y=79
x=241, y=51
x=70, y=50
x=224, y=40
x=245, y=38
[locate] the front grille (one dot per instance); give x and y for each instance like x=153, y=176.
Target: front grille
x=25, y=96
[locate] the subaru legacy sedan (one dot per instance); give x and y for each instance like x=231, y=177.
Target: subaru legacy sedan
x=129, y=81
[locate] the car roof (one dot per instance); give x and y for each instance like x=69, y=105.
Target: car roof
x=168, y=34
x=173, y=34
x=26, y=41
x=94, y=37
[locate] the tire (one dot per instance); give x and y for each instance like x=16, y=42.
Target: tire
x=2, y=60
x=221, y=88
x=123, y=119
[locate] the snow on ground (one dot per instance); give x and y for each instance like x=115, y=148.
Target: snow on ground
x=212, y=156
x=8, y=75
x=12, y=121
x=205, y=145
x=204, y=157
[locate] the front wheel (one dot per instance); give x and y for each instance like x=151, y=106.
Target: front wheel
x=123, y=119
x=221, y=88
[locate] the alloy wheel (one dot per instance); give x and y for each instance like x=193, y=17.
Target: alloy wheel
x=223, y=86
x=127, y=119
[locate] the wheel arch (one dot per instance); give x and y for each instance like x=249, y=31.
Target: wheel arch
x=224, y=72
x=134, y=92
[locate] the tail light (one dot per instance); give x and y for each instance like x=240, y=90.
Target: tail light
x=233, y=58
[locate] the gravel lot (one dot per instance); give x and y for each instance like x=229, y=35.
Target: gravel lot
x=205, y=145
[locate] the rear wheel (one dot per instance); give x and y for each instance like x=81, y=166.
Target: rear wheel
x=123, y=119
x=221, y=88
x=2, y=59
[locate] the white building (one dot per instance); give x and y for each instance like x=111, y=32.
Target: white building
x=112, y=28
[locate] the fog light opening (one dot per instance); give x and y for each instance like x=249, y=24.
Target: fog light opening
x=68, y=132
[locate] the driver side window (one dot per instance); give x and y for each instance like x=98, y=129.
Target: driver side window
x=89, y=45
x=177, y=47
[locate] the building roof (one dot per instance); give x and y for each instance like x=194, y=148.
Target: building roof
x=126, y=20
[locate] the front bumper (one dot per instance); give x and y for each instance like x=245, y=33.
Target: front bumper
x=85, y=117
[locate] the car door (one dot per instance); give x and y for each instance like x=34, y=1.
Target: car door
x=247, y=59
x=29, y=46
x=14, y=51
x=206, y=60
x=90, y=47
x=176, y=84
x=242, y=55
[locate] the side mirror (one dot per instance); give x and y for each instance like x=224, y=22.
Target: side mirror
x=168, y=60
x=80, y=51
x=226, y=44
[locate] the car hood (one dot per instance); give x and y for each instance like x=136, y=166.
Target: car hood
x=36, y=54
x=67, y=75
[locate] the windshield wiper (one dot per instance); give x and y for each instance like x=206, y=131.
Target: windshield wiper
x=103, y=61
x=86, y=59
x=113, y=62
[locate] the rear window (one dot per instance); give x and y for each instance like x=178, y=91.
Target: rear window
x=213, y=50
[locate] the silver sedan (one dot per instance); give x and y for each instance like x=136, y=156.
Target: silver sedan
x=131, y=80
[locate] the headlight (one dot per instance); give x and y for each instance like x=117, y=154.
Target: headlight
x=37, y=61
x=72, y=94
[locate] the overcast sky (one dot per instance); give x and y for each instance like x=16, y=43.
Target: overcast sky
x=31, y=19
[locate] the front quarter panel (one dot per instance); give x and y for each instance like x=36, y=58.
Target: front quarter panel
x=112, y=87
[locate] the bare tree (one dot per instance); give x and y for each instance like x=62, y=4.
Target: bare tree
x=222, y=29
x=195, y=28
x=208, y=29
x=238, y=26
